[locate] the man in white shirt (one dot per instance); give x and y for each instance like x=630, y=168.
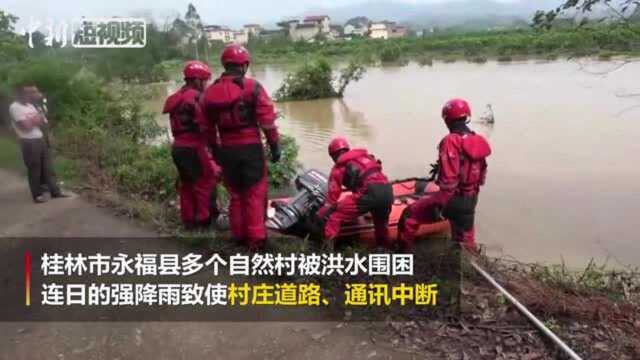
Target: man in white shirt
x=27, y=122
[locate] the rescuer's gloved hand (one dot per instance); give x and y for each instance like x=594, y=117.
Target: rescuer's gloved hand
x=435, y=169
x=276, y=152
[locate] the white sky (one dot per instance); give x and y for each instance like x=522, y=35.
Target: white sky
x=226, y=12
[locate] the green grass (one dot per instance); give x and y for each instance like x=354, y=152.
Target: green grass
x=10, y=155
x=11, y=159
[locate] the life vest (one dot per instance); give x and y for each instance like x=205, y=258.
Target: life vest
x=359, y=167
x=183, y=112
x=473, y=162
x=231, y=103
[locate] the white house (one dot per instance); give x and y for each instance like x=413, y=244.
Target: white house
x=253, y=29
x=386, y=30
x=323, y=22
x=379, y=30
x=307, y=29
x=304, y=32
x=219, y=33
x=241, y=37
x=396, y=31
x=352, y=30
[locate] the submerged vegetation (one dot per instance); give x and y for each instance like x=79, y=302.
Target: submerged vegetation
x=316, y=80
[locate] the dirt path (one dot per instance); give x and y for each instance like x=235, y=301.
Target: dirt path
x=154, y=340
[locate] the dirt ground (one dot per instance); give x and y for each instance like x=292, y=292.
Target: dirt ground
x=489, y=328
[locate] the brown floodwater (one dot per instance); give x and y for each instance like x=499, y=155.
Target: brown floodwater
x=563, y=183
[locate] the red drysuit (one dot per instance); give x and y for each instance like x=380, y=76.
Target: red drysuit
x=237, y=109
x=462, y=170
x=196, y=167
x=361, y=173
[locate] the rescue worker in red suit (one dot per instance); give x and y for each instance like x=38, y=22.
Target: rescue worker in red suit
x=361, y=173
x=196, y=168
x=461, y=171
x=238, y=110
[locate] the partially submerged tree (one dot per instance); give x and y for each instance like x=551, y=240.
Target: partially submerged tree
x=315, y=80
x=353, y=72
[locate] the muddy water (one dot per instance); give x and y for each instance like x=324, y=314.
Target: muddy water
x=563, y=183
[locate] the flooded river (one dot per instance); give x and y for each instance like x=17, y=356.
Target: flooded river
x=563, y=183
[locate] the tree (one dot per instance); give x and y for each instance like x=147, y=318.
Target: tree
x=353, y=72
x=195, y=27
x=7, y=22
x=636, y=14
x=315, y=80
x=12, y=47
x=622, y=11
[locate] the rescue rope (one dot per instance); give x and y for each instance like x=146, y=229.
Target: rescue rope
x=572, y=354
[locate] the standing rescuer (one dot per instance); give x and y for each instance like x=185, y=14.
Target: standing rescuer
x=461, y=170
x=361, y=173
x=238, y=108
x=196, y=167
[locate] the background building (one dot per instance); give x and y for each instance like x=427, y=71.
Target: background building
x=219, y=33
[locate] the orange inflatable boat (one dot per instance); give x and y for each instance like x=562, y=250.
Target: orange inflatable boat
x=294, y=215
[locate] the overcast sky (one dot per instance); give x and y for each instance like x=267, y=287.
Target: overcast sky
x=227, y=12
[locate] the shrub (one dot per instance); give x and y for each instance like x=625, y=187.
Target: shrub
x=478, y=59
x=148, y=174
x=390, y=53
x=314, y=80
x=283, y=172
x=425, y=61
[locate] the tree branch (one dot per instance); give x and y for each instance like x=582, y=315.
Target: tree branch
x=628, y=109
x=619, y=66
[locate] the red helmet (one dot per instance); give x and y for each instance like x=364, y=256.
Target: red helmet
x=235, y=54
x=456, y=109
x=338, y=144
x=196, y=70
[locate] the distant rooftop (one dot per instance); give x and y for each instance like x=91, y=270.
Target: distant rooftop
x=316, y=18
x=306, y=26
x=215, y=27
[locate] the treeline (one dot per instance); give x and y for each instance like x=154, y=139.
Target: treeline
x=605, y=40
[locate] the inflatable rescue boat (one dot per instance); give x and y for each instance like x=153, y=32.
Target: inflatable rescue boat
x=296, y=215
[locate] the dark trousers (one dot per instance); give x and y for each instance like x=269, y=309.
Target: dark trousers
x=377, y=199
x=35, y=154
x=459, y=210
